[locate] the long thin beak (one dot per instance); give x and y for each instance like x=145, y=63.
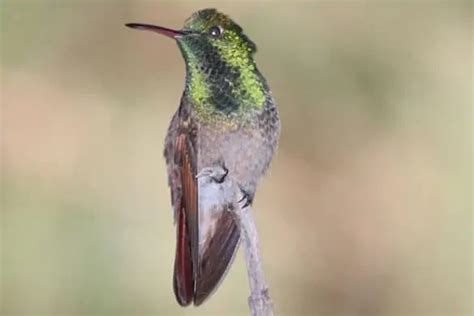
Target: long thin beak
x=157, y=29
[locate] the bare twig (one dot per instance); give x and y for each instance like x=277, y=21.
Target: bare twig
x=213, y=195
x=260, y=302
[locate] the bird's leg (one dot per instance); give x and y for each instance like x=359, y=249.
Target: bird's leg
x=217, y=173
x=246, y=200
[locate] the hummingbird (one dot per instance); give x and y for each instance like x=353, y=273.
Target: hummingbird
x=228, y=121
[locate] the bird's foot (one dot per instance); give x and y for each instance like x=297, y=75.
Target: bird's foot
x=217, y=173
x=246, y=199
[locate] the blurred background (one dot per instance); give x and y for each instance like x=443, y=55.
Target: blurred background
x=367, y=209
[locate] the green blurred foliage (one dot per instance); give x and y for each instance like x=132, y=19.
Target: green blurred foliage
x=367, y=208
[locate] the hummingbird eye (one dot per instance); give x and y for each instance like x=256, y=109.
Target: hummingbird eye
x=216, y=31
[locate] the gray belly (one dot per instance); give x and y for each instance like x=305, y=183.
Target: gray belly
x=245, y=153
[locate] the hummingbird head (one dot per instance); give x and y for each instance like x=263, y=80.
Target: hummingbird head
x=209, y=32
x=221, y=73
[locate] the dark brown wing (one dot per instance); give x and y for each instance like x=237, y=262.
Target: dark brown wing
x=183, y=279
x=187, y=222
x=217, y=256
x=196, y=275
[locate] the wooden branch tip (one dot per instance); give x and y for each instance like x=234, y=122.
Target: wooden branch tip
x=259, y=301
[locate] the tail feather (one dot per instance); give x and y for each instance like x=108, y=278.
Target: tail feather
x=217, y=256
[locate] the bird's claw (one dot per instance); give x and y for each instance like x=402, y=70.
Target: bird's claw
x=246, y=199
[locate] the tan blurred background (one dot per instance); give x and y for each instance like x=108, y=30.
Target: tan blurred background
x=367, y=208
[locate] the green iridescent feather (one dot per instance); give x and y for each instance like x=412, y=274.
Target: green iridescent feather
x=223, y=80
